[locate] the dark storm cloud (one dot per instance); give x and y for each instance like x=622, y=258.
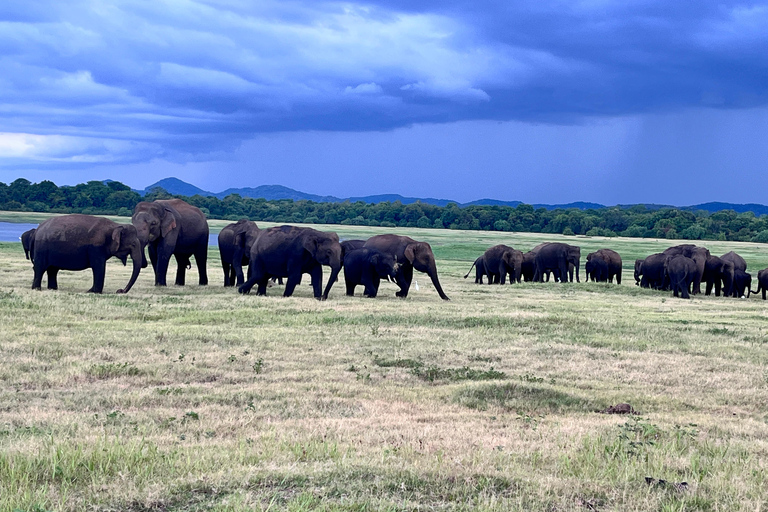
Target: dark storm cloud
x=189, y=80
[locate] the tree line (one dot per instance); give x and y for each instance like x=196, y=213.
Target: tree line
x=115, y=198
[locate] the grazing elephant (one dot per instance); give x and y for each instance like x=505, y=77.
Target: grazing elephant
x=652, y=271
x=612, y=260
x=680, y=271
x=479, y=267
x=718, y=273
x=556, y=257
x=367, y=267
x=596, y=268
x=28, y=243
x=762, y=282
x=290, y=251
x=235, y=242
x=173, y=227
x=501, y=260
x=529, y=266
x=409, y=254
x=742, y=283
x=698, y=254
x=78, y=242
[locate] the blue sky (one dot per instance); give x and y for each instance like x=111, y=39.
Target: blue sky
x=549, y=101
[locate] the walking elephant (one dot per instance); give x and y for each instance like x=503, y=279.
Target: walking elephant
x=698, y=254
x=742, y=283
x=649, y=273
x=367, y=267
x=500, y=261
x=28, y=243
x=78, y=242
x=479, y=267
x=762, y=282
x=290, y=251
x=718, y=273
x=680, y=271
x=172, y=227
x=555, y=257
x=409, y=254
x=235, y=241
x=613, y=264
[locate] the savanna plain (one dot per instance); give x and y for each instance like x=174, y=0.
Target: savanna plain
x=198, y=398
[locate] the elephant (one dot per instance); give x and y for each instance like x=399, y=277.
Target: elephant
x=78, y=242
x=698, y=254
x=501, y=260
x=762, y=282
x=173, y=227
x=409, y=254
x=738, y=262
x=555, y=257
x=479, y=267
x=235, y=241
x=350, y=245
x=718, y=273
x=681, y=271
x=652, y=271
x=367, y=267
x=742, y=283
x=613, y=262
x=529, y=266
x=228, y=247
x=290, y=251
x=596, y=269
x=28, y=243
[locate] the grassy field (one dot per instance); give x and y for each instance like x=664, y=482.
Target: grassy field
x=197, y=398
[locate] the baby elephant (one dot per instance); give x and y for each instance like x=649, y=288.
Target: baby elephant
x=367, y=267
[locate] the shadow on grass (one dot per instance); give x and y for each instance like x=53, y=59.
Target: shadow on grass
x=514, y=397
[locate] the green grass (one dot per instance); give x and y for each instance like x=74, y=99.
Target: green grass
x=197, y=398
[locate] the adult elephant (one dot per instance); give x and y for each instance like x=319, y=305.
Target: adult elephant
x=555, y=257
x=742, y=284
x=612, y=261
x=698, y=254
x=172, y=227
x=78, y=242
x=28, y=243
x=349, y=246
x=479, y=267
x=409, y=254
x=501, y=260
x=236, y=238
x=718, y=273
x=739, y=264
x=290, y=251
x=529, y=266
x=596, y=269
x=762, y=282
x=367, y=267
x=649, y=272
x=681, y=272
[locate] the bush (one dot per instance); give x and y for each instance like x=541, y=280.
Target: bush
x=569, y=232
x=634, y=231
x=761, y=237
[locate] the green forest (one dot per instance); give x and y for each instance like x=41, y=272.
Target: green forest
x=115, y=198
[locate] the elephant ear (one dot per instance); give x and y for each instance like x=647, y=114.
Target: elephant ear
x=114, y=245
x=410, y=252
x=310, y=244
x=375, y=259
x=169, y=222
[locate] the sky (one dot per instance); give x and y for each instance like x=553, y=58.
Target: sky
x=553, y=101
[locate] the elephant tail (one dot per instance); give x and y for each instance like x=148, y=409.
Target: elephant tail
x=470, y=269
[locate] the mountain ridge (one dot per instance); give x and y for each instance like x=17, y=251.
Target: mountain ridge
x=176, y=186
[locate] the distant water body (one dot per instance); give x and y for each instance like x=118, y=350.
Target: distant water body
x=11, y=231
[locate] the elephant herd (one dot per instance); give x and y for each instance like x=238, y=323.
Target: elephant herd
x=174, y=228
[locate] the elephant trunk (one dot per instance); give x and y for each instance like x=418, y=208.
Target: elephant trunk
x=335, y=269
x=137, y=260
x=433, y=276
x=577, y=271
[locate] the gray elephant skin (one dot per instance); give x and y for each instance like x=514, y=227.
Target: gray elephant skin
x=479, y=267
x=172, y=227
x=718, y=274
x=409, y=254
x=78, y=242
x=739, y=264
x=742, y=283
x=762, y=282
x=649, y=272
x=290, y=251
x=698, y=254
x=28, y=243
x=367, y=267
x=235, y=242
x=606, y=264
x=681, y=271
x=555, y=257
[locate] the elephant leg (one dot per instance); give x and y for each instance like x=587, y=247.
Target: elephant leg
x=371, y=283
x=152, y=250
x=53, y=282
x=316, y=280
x=404, y=278
x=293, y=280
x=161, y=268
x=181, y=272
x=99, y=271
x=39, y=270
x=502, y=274
x=226, y=267
x=201, y=259
x=350, y=287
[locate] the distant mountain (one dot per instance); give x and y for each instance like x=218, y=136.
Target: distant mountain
x=275, y=192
